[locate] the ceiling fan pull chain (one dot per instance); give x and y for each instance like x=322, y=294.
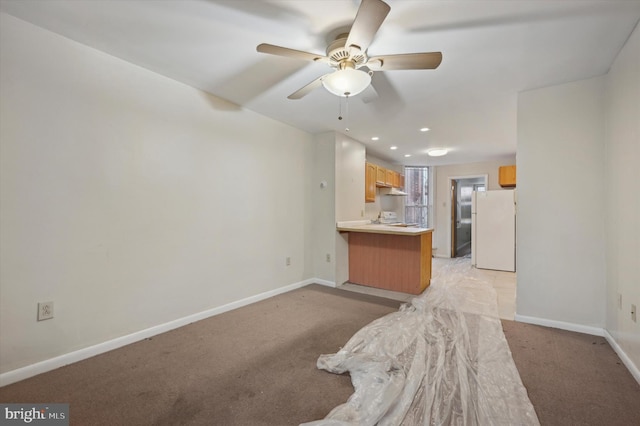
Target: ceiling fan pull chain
x=346, y=112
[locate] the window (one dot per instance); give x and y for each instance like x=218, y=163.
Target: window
x=416, y=185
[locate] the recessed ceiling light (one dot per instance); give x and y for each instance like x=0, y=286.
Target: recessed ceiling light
x=437, y=152
x=375, y=138
x=407, y=155
x=393, y=147
x=424, y=129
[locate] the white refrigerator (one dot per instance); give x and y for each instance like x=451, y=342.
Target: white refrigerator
x=493, y=230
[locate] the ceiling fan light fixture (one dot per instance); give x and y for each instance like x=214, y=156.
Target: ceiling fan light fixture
x=346, y=82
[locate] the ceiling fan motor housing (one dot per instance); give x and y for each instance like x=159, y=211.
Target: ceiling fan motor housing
x=339, y=56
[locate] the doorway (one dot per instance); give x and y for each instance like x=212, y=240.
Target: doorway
x=461, y=190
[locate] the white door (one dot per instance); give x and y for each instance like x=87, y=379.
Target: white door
x=495, y=230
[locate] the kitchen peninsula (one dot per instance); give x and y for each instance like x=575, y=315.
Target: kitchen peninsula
x=389, y=257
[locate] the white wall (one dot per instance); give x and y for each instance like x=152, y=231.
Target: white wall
x=131, y=200
x=442, y=210
x=350, y=171
x=622, y=197
x=324, y=207
x=560, y=227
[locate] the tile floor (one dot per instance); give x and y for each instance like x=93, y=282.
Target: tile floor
x=504, y=284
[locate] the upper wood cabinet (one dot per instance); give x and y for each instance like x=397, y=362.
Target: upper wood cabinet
x=396, y=180
x=507, y=176
x=370, y=176
x=384, y=177
x=390, y=178
x=381, y=176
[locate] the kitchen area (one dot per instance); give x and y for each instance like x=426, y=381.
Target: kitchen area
x=354, y=215
x=384, y=251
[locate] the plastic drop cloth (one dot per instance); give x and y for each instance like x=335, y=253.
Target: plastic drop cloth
x=442, y=359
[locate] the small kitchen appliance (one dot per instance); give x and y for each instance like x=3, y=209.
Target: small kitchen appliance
x=389, y=218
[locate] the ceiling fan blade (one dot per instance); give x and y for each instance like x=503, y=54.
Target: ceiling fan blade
x=370, y=16
x=290, y=53
x=406, y=61
x=307, y=89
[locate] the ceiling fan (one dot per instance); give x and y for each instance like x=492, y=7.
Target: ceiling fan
x=348, y=53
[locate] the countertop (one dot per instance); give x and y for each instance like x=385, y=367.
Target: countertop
x=367, y=226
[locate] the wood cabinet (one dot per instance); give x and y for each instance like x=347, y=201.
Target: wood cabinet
x=381, y=176
x=507, y=176
x=396, y=180
x=389, y=177
x=376, y=176
x=370, y=183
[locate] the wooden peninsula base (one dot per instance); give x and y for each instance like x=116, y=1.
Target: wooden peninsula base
x=391, y=260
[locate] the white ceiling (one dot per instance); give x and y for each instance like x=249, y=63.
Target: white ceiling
x=491, y=51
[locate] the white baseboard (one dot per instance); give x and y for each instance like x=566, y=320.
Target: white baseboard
x=633, y=369
x=81, y=354
x=578, y=328
x=594, y=331
x=324, y=282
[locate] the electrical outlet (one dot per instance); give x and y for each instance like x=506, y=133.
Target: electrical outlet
x=45, y=311
x=288, y=261
x=633, y=313
x=328, y=258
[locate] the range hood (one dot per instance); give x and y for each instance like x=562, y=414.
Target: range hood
x=391, y=191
